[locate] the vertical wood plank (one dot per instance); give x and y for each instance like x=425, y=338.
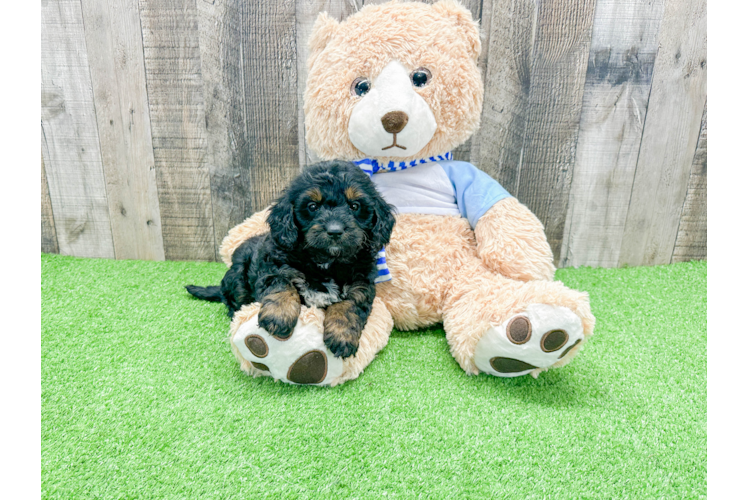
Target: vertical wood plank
x=619, y=77
x=497, y=146
x=671, y=131
x=70, y=140
x=690, y=244
x=225, y=121
x=115, y=55
x=559, y=66
x=271, y=97
x=175, y=98
x=49, y=235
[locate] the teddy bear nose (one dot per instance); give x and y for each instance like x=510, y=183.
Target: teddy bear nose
x=394, y=121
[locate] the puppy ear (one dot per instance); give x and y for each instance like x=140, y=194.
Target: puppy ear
x=383, y=224
x=281, y=221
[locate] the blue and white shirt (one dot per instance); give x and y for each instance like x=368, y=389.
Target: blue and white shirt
x=437, y=185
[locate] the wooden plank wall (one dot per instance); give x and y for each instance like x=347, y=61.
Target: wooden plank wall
x=167, y=122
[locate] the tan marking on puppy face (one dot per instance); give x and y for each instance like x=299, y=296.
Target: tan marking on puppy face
x=351, y=193
x=314, y=194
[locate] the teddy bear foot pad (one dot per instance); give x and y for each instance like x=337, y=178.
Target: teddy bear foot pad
x=536, y=338
x=302, y=358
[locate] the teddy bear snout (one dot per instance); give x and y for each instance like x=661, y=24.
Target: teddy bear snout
x=394, y=121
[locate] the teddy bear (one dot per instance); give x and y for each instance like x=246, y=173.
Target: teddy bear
x=394, y=88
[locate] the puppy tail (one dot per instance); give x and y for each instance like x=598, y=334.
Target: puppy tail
x=211, y=293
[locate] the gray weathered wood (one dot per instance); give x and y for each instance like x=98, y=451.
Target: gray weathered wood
x=70, y=141
x=619, y=77
x=271, y=98
x=497, y=146
x=598, y=143
x=671, y=132
x=115, y=56
x=49, y=235
x=690, y=244
x=225, y=119
x=175, y=97
x=557, y=75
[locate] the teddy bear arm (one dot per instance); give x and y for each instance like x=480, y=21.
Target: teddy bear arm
x=512, y=243
x=240, y=233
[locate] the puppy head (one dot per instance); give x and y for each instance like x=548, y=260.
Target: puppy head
x=332, y=211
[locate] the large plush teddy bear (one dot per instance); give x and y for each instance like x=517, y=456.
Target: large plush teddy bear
x=394, y=88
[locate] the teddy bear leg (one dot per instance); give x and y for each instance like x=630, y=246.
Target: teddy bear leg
x=303, y=357
x=509, y=328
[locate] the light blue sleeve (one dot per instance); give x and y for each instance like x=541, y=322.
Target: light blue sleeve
x=475, y=190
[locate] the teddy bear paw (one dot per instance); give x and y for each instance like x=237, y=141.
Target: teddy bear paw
x=301, y=358
x=535, y=338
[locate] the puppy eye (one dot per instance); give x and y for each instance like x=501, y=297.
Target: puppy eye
x=355, y=206
x=360, y=86
x=312, y=207
x=420, y=77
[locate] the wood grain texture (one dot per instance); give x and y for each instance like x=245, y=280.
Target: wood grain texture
x=175, y=98
x=49, y=235
x=619, y=77
x=271, y=98
x=225, y=120
x=70, y=141
x=671, y=131
x=115, y=55
x=559, y=66
x=690, y=244
x=497, y=146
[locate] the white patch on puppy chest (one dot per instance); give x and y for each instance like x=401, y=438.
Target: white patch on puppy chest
x=316, y=298
x=392, y=90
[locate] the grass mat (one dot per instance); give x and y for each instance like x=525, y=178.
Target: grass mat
x=142, y=398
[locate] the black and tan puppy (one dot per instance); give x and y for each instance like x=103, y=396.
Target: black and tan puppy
x=326, y=230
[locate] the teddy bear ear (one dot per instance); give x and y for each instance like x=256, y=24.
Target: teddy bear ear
x=464, y=20
x=322, y=32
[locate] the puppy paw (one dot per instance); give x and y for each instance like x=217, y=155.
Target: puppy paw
x=536, y=338
x=342, y=329
x=279, y=313
x=300, y=358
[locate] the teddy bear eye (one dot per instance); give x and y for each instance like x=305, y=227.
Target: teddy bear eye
x=360, y=86
x=420, y=77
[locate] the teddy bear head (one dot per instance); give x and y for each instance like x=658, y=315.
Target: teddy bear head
x=395, y=81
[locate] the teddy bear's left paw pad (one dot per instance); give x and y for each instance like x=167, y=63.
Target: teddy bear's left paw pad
x=529, y=340
x=301, y=358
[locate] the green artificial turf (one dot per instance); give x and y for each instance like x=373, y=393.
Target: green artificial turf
x=142, y=398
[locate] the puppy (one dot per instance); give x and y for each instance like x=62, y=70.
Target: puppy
x=326, y=230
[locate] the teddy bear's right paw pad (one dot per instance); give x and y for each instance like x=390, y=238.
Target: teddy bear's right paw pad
x=528, y=341
x=302, y=358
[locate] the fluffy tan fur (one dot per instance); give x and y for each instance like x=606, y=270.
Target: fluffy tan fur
x=442, y=37
x=373, y=338
x=442, y=270
x=438, y=275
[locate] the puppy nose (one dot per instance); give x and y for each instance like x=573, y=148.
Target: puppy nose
x=394, y=121
x=334, y=228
